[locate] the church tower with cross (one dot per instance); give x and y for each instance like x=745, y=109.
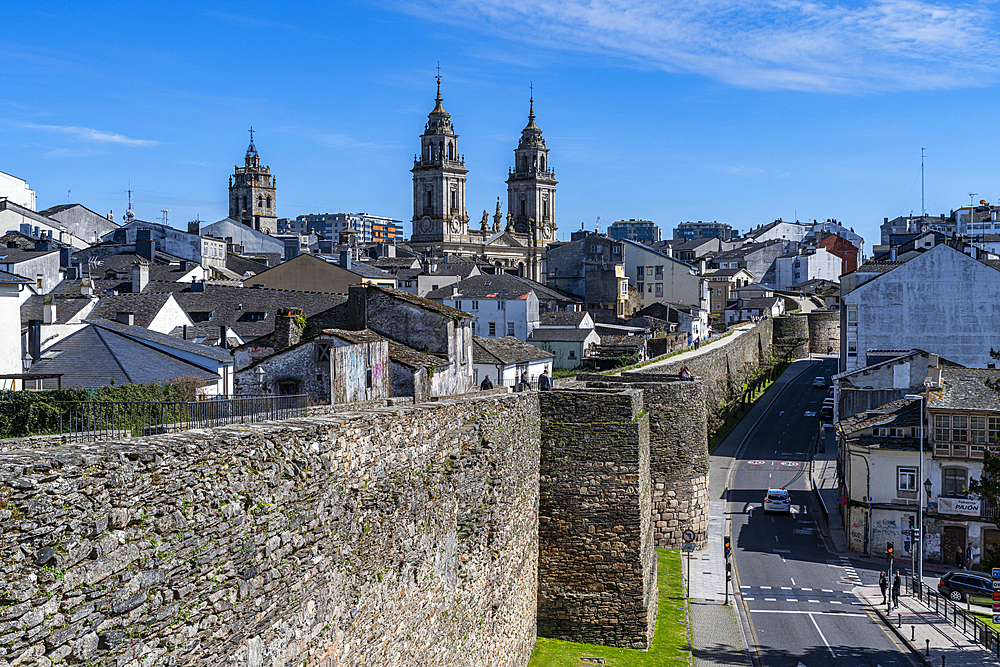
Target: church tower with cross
x=252, y=198
x=531, y=185
x=439, y=180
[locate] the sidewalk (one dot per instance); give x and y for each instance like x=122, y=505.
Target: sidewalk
x=928, y=629
x=824, y=480
x=702, y=349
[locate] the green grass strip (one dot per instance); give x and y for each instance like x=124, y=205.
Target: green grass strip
x=670, y=643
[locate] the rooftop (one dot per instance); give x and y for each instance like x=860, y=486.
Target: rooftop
x=966, y=389
x=397, y=351
x=505, y=350
x=500, y=286
x=560, y=335
x=562, y=318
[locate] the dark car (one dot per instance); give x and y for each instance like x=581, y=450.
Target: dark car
x=962, y=586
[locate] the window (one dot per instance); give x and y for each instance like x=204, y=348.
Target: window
x=624, y=287
x=639, y=270
x=322, y=352
x=200, y=316
x=977, y=431
x=959, y=428
x=659, y=289
x=942, y=428
x=572, y=354
x=593, y=249
x=493, y=328
x=458, y=304
x=640, y=286
x=649, y=289
x=254, y=316
x=953, y=481
x=649, y=270
x=475, y=305
x=617, y=250
x=659, y=273
x=501, y=305
x=852, y=314
x=907, y=479
x=510, y=328
x=993, y=433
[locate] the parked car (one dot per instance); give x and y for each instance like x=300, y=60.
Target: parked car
x=962, y=585
x=777, y=500
x=819, y=382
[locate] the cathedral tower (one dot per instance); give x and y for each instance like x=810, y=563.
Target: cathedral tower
x=252, y=189
x=439, y=181
x=531, y=186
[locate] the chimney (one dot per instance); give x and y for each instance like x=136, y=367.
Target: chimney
x=223, y=337
x=48, y=309
x=146, y=248
x=143, y=234
x=140, y=277
x=198, y=286
x=357, y=308
x=184, y=266
x=286, y=328
x=184, y=332
x=86, y=286
x=194, y=227
x=125, y=317
x=35, y=339
x=701, y=267
x=892, y=253
x=42, y=245
x=345, y=259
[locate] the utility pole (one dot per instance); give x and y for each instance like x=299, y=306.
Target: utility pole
x=923, y=209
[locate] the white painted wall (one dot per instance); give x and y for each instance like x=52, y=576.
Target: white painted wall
x=171, y=316
x=10, y=333
x=679, y=282
x=817, y=265
x=523, y=313
x=16, y=190
x=942, y=301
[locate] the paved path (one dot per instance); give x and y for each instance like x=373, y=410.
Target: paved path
x=927, y=628
x=692, y=353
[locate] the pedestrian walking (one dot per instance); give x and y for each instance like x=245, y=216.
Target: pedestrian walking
x=544, y=381
x=883, y=583
x=525, y=383
x=486, y=384
x=960, y=558
x=895, y=590
x=697, y=343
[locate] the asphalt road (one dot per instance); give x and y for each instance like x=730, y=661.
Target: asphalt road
x=796, y=595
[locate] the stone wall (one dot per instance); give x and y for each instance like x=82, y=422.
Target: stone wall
x=678, y=455
x=597, y=566
x=791, y=336
x=400, y=536
x=824, y=331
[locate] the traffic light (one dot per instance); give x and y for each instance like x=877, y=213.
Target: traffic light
x=888, y=550
x=727, y=547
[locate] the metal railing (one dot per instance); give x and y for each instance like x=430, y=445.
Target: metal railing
x=963, y=619
x=89, y=421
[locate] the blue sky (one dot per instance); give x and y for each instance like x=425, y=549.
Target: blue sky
x=738, y=111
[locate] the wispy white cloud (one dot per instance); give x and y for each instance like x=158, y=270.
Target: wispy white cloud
x=91, y=135
x=341, y=142
x=762, y=44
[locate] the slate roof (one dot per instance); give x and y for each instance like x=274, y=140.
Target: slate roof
x=18, y=255
x=66, y=307
x=145, y=306
x=758, y=303
x=421, y=302
x=216, y=353
x=453, y=268
x=95, y=356
x=901, y=413
x=500, y=286
x=396, y=262
x=366, y=270
x=13, y=278
x=397, y=351
x=878, y=267
x=505, y=350
x=562, y=318
x=231, y=305
x=725, y=272
x=965, y=389
x=159, y=270
x=197, y=334
x=560, y=335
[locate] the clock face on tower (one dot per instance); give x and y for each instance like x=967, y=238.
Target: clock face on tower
x=424, y=225
x=456, y=226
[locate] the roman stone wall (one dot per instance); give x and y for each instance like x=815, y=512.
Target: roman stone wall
x=678, y=456
x=398, y=536
x=791, y=336
x=597, y=565
x=824, y=331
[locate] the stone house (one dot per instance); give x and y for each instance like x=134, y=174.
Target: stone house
x=504, y=359
x=592, y=268
x=744, y=309
x=691, y=320
x=41, y=267
x=941, y=300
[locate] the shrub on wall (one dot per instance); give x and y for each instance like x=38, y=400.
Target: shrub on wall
x=37, y=412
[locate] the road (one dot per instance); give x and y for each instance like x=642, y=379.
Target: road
x=796, y=595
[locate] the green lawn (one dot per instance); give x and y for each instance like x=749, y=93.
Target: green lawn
x=986, y=617
x=669, y=643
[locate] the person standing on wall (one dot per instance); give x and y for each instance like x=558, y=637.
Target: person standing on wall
x=544, y=381
x=896, y=583
x=486, y=385
x=525, y=383
x=883, y=583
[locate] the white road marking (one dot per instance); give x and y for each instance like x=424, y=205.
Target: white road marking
x=770, y=600
x=744, y=587
x=835, y=602
x=826, y=590
x=805, y=611
x=767, y=588
x=816, y=601
x=793, y=583
x=807, y=589
x=790, y=600
x=822, y=636
x=785, y=588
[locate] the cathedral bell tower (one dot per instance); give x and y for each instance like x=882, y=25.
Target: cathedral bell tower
x=439, y=181
x=531, y=186
x=252, y=198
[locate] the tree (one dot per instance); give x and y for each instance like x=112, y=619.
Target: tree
x=988, y=486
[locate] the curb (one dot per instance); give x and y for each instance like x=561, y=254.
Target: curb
x=896, y=631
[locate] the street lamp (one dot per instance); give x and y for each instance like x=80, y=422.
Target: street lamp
x=919, y=542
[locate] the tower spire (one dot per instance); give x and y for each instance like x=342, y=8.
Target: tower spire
x=438, y=106
x=531, y=108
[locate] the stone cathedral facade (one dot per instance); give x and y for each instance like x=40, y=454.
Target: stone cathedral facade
x=441, y=225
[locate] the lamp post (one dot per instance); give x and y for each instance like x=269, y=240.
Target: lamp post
x=919, y=542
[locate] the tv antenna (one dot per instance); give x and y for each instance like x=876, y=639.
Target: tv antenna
x=164, y=211
x=923, y=209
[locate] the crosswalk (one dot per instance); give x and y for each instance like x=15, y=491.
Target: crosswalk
x=799, y=595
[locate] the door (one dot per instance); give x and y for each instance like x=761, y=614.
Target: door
x=954, y=538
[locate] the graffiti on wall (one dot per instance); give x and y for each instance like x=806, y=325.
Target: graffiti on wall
x=884, y=530
x=933, y=546
x=857, y=531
